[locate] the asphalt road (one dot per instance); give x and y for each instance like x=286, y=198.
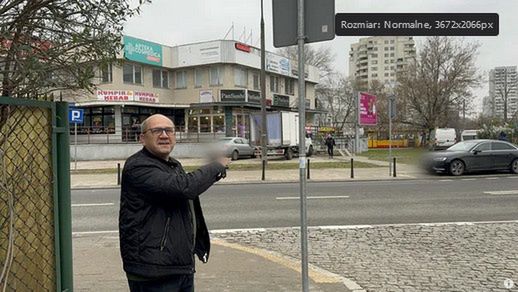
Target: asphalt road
x=442, y=199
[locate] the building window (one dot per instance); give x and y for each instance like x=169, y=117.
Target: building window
x=391, y=48
x=374, y=75
x=181, y=80
x=290, y=86
x=240, y=77
x=160, y=78
x=106, y=73
x=214, y=76
x=132, y=73
x=374, y=62
x=255, y=80
x=274, y=84
x=198, y=77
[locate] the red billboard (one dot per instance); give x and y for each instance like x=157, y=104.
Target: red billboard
x=367, y=104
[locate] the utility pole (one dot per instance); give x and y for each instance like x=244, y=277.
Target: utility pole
x=264, y=134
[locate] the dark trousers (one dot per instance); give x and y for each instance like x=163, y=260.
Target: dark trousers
x=179, y=283
x=330, y=151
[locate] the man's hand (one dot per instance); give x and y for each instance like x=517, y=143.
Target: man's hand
x=225, y=161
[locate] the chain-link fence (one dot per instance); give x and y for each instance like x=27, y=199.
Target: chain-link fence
x=27, y=223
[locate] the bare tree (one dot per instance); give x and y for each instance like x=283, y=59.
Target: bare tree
x=51, y=45
x=319, y=57
x=438, y=81
x=503, y=92
x=336, y=95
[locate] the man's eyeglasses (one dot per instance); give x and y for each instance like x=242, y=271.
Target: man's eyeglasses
x=159, y=131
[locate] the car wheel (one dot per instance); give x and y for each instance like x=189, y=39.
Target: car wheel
x=235, y=155
x=457, y=167
x=288, y=154
x=514, y=166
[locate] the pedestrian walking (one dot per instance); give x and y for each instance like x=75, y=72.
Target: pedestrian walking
x=161, y=224
x=330, y=143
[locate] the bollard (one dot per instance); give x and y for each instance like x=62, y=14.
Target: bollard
x=118, y=174
x=394, y=170
x=264, y=170
x=308, y=169
x=352, y=168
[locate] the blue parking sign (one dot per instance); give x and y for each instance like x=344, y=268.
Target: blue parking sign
x=75, y=115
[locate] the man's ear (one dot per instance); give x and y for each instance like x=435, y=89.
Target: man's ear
x=141, y=139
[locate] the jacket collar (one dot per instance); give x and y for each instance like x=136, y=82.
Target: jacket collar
x=170, y=162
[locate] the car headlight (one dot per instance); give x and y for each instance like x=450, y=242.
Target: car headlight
x=440, y=158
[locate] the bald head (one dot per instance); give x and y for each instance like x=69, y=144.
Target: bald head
x=158, y=135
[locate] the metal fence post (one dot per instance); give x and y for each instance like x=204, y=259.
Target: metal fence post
x=352, y=168
x=394, y=171
x=308, y=170
x=64, y=201
x=118, y=174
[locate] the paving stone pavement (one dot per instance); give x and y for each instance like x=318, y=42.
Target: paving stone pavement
x=419, y=257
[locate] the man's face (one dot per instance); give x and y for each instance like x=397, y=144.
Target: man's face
x=159, y=136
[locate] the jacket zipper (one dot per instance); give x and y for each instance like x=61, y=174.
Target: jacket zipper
x=164, y=237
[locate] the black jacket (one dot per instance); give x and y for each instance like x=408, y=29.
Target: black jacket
x=155, y=227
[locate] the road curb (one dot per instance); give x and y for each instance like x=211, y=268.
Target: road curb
x=317, y=274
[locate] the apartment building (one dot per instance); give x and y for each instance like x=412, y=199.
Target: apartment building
x=205, y=88
x=503, y=81
x=380, y=58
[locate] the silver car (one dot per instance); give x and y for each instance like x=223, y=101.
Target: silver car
x=236, y=147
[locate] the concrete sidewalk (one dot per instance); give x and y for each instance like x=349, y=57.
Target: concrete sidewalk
x=231, y=267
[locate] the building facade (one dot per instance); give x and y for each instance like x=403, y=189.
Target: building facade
x=503, y=81
x=208, y=89
x=379, y=58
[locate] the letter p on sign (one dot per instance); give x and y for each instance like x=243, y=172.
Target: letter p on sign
x=75, y=115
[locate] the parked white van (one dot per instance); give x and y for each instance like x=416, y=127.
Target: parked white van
x=442, y=138
x=469, y=135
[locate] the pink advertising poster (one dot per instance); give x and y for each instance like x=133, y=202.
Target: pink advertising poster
x=367, y=105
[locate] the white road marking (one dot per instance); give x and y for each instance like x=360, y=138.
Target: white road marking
x=468, y=179
x=93, y=205
x=313, y=197
x=510, y=192
x=492, y=178
x=445, y=180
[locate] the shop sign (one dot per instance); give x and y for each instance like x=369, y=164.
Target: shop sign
x=147, y=97
x=115, y=95
x=254, y=96
x=127, y=95
x=277, y=64
x=142, y=51
x=206, y=96
x=281, y=100
x=232, y=95
x=243, y=47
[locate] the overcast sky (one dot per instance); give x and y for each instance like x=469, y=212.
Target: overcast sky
x=176, y=22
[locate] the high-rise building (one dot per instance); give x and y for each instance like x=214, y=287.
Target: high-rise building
x=380, y=58
x=503, y=82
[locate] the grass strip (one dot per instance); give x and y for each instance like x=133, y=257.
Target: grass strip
x=254, y=166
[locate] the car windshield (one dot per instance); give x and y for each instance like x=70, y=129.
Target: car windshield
x=462, y=146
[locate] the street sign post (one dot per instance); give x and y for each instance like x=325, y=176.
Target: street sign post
x=312, y=22
x=75, y=115
x=319, y=21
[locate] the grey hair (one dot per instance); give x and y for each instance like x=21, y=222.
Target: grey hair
x=143, y=126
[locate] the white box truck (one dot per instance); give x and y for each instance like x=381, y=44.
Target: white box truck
x=283, y=133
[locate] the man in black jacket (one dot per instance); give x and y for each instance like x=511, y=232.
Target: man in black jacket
x=161, y=225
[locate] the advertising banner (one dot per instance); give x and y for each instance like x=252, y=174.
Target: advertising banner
x=142, y=51
x=206, y=96
x=127, y=95
x=367, y=104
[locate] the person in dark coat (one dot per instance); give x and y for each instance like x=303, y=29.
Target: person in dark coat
x=161, y=224
x=330, y=143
